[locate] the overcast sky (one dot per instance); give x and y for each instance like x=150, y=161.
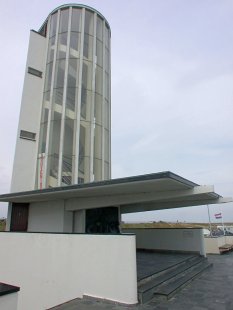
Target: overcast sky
x=172, y=91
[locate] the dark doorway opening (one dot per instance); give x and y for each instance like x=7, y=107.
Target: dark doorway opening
x=19, y=216
x=102, y=221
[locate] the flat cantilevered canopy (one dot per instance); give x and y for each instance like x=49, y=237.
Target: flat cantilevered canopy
x=148, y=192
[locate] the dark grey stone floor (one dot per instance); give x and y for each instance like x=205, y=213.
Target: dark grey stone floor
x=149, y=263
x=212, y=290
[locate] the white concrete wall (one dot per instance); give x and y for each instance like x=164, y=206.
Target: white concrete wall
x=24, y=169
x=51, y=269
x=9, y=301
x=229, y=239
x=212, y=244
x=49, y=216
x=187, y=240
x=80, y=221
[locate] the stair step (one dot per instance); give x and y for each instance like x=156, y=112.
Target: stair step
x=168, y=290
x=168, y=282
x=155, y=274
x=168, y=274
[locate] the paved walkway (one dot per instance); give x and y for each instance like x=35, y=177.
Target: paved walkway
x=212, y=290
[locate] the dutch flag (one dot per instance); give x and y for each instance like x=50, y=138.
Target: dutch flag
x=218, y=215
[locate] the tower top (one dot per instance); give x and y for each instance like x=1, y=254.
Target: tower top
x=74, y=5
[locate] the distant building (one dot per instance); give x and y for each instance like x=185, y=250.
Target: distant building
x=64, y=126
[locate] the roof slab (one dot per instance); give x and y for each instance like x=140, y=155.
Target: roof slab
x=148, y=192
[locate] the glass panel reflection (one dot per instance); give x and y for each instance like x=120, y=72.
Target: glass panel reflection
x=67, y=158
x=58, y=96
x=107, y=87
x=76, y=20
x=82, y=140
x=72, y=73
x=107, y=115
x=62, y=42
x=74, y=44
x=51, y=49
x=68, y=137
x=64, y=17
x=99, y=80
x=53, y=25
x=84, y=169
x=43, y=136
x=98, y=142
x=107, y=61
x=70, y=98
x=97, y=168
x=106, y=171
x=48, y=76
x=89, y=24
x=54, y=147
x=106, y=146
x=88, y=47
x=86, y=101
x=107, y=36
x=47, y=97
x=99, y=53
x=45, y=115
x=99, y=28
x=87, y=75
x=98, y=108
x=53, y=165
x=59, y=73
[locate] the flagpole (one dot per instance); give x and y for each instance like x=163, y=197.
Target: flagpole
x=223, y=226
x=224, y=229
x=209, y=220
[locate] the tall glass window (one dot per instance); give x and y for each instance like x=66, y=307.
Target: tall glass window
x=99, y=80
x=88, y=47
x=53, y=25
x=53, y=159
x=75, y=120
x=74, y=45
x=64, y=18
x=107, y=37
x=99, y=28
x=89, y=22
x=76, y=20
x=48, y=76
x=51, y=49
x=59, y=73
x=99, y=53
x=98, y=108
x=67, y=158
x=62, y=45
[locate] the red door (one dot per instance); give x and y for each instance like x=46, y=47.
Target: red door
x=19, y=216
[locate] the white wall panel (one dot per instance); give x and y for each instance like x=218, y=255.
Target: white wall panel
x=24, y=169
x=51, y=269
x=187, y=240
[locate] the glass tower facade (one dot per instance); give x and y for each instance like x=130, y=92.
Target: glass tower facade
x=74, y=140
